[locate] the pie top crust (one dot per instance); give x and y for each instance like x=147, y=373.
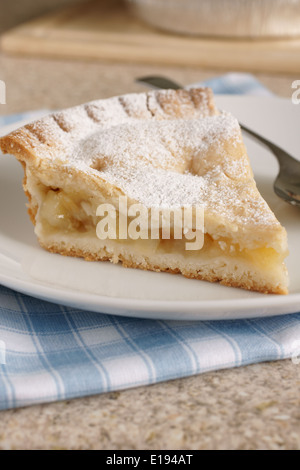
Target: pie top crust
x=161, y=148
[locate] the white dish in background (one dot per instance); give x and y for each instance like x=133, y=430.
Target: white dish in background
x=107, y=288
x=228, y=18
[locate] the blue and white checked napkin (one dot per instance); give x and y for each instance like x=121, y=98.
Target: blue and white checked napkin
x=49, y=352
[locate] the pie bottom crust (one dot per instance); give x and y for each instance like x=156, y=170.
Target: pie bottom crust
x=231, y=275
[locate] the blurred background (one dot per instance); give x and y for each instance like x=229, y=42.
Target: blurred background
x=88, y=49
x=214, y=17
x=14, y=12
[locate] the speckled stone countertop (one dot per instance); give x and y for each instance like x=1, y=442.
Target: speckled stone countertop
x=254, y=407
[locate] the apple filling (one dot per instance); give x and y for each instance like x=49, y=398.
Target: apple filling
x=61, y=212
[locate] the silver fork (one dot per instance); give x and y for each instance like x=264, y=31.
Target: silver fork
x=287, y=183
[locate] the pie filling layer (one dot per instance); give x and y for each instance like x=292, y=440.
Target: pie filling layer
x=65, y=213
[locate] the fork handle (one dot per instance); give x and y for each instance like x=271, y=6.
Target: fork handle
x=160, y=82
x=282, y=156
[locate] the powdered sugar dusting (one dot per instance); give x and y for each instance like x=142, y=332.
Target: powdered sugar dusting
x=142, y=144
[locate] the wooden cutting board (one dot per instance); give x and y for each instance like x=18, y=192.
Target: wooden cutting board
x=106, y=30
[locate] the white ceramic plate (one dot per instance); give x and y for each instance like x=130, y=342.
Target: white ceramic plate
x=107, y=288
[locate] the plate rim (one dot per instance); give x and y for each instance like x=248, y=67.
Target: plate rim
x=267, y=303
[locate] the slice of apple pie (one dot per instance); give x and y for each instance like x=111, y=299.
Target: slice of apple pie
x=163, y=150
